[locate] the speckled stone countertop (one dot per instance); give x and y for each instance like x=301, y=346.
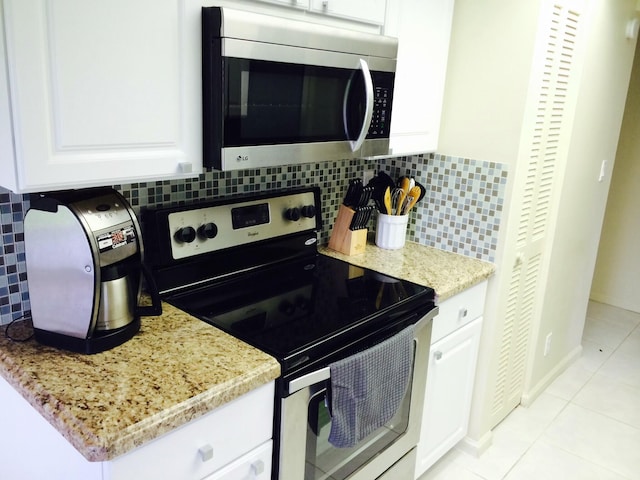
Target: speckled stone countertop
x=447, y=273
x=175, y=369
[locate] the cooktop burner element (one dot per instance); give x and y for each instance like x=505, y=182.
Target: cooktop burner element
x=297, y=311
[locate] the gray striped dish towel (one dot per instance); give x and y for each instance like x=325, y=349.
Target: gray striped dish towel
x=368, y=387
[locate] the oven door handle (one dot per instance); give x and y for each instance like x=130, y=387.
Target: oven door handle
x=309, y=379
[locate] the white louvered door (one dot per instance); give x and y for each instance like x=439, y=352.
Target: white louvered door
x=543, y=151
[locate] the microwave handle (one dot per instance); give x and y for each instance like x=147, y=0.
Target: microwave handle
x=368, y=112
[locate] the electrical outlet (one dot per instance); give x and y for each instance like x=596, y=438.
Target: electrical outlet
x=547, y=344
x=367, y=175
x=603, y=170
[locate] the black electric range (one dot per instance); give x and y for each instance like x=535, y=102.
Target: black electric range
x=250, y=266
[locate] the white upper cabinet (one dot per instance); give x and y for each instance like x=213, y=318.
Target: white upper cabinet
x=98, y=93
x=303, y=4
x=361, y=11
x=423, y=29
x=368, y=11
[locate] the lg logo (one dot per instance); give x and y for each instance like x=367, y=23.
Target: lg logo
x=242, y=158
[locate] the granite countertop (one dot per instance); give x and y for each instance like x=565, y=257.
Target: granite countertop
x=447, y=273
x=175, y=369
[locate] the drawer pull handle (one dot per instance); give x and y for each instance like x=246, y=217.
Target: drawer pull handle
x=437, y=355
x=463, y=312
x=206, y=452
x=257, y=467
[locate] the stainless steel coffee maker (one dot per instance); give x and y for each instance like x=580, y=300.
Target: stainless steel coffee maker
x=84, y=257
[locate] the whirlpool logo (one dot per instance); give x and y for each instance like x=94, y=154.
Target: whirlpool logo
x=253, y=234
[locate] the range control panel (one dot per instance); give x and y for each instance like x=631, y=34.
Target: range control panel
x=197, y=230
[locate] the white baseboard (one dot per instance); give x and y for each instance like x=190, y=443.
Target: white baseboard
x=476, y=447
x=529, y=396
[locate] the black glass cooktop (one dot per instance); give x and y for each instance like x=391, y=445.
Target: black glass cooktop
x=299, y=311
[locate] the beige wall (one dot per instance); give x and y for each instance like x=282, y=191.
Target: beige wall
x=601, y=101
x=487, y=80
x=617, y=274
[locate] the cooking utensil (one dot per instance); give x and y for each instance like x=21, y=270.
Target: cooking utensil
x=365, y=196
x=414, y=194
x=386, y=180
x=408, y=202
x=361, y=217
x=387, y=201
x=354, y=192
x=423, y=191
x=404, y=184
x=397, y=197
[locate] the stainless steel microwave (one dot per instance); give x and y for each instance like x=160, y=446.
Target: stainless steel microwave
x=283, y=92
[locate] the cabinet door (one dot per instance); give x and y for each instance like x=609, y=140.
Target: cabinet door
x=450, y=378
x=368, y=11
x=101, y=92
x=423, y=28
x=30, y=447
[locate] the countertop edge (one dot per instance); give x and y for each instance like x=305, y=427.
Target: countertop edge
x=96, y=448
x=180, y=414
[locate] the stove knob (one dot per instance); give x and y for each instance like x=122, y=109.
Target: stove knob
x=287, y=307
x=208, y=230
x=309, y=211
x=303, y=303
x=292, y=214
x=185, y=235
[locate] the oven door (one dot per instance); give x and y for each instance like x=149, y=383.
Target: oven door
x=305, y=422
x=267, y=104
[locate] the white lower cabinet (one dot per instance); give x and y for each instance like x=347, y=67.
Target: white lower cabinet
x=451, y=372
x=232, y=442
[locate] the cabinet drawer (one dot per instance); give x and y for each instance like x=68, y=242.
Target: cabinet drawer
x=255, y=465
x=459, y=310
x=204, y=445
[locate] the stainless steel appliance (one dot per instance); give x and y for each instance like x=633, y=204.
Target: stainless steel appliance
x=250, y=266
x=84, y=261
x=279, y=92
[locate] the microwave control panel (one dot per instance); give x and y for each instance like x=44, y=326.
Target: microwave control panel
x=381, y=118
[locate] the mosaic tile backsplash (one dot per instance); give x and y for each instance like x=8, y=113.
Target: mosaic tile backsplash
x=460, y=212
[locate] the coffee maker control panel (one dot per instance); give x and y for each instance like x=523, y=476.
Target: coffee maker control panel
x=110, y=222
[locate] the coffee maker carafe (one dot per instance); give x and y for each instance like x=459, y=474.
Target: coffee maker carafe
x=84, y=257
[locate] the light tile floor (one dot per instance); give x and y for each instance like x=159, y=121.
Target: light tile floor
x=584, y=426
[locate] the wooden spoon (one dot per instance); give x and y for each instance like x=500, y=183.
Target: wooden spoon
x=415, y=193
x=387, y=201
x=405, y=185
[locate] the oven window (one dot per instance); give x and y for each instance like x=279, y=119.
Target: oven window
x=324, y=461
x=275, y=102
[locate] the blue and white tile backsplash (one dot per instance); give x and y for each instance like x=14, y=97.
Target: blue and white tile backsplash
x=460, y=212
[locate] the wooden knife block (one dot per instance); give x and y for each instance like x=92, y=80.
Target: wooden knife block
x=343, y=240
